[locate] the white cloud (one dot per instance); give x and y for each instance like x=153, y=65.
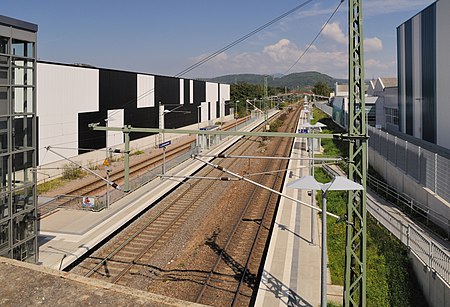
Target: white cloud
x=375, y=64
x=281, y=51
x=373, y=44
x=333, y=31
x=277, y=58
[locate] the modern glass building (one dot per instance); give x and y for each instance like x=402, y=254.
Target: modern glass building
x=18, y=217
x=423, y=43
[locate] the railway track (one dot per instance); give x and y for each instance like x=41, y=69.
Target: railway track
x=235, y=253
x=234, y=275
x=96, y=186
x=154, y=229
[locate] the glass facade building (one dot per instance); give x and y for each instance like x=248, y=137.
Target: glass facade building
x=18, y=216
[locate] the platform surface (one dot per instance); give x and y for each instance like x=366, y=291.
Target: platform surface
x=66, y=235
x=291, y=275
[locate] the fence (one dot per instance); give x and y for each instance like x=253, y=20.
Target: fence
x=153, y=173
x=414, y=209
x=427, y=168
x=149, y=175
x=436, y=258
x=432, y=255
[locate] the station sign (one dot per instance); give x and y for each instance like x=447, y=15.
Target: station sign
x=164, y=144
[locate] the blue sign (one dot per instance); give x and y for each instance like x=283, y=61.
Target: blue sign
x=302, y=131
x=166, y=143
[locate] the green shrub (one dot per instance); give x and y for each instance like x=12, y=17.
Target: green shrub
x=73, y=172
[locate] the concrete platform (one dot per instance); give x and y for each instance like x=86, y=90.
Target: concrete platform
x=67, y=234
x=291, y=275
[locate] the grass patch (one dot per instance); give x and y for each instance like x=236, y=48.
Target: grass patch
x=390, y=279
x=137, y=152
x=69, y=173
x=72, y=173
x=51, y=185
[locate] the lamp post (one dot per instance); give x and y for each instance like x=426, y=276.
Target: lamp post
x=339, y=183
x=199, y=108
x=106, y=164
x=236, y=113
x=311, y=155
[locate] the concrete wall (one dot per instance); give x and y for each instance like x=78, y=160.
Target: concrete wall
x=433, y=287
x=405, y=184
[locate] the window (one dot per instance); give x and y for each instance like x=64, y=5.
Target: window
x=22, y=48
x=4, y=177
x=22, y=200
x=22, y=72
x=391, y=116
x=22, y=134
x=4, y=75
x=4, y=235
x=4, y=102
x=4, y=206
x=23, y=100
x=22, y=174
x=4, y=45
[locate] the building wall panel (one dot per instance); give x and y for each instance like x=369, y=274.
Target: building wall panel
x=428, y=74
x=442, y=73
x=416, y=98
x=212, y=96
x=62, y=93
x=145, y=91
x=70, y=98
x=115, y=119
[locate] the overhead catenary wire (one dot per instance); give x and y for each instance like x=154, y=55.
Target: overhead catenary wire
x=211, y=56
x=234, y=43
x=315, y=38
x=241, y=39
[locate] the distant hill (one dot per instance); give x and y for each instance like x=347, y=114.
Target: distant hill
x=302, y=80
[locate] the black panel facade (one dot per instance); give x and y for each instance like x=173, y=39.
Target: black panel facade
x=428, y=29
x=187, y=91
x=167, y=90
x=87, y=138
x=400, y=65
x=409, y=120
x=227, y=107
x=118, y=90
x=199, y=92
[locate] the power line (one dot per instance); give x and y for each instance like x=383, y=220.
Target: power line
x=315, y=38
x=213, y=55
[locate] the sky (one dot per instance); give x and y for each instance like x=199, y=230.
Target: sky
x=166, y=37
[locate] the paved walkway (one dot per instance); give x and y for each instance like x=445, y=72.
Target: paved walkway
x=291, y=275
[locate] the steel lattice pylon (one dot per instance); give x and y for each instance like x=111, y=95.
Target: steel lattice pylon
x=355, y=253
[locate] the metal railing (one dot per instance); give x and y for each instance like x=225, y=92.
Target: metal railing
x=417, y=211
x=435, y=257
x=426, y=167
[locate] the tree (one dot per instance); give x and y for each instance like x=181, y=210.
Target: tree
x=321, y=88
